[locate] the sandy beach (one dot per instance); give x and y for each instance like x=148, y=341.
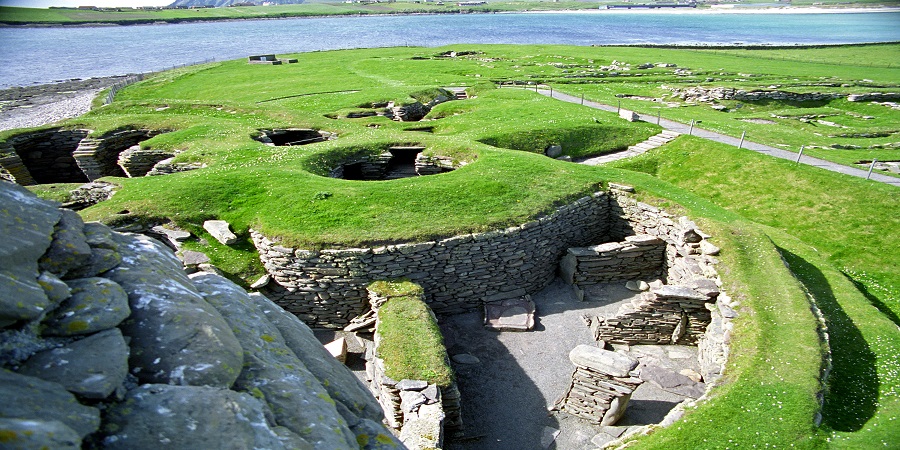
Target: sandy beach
x=33, y=106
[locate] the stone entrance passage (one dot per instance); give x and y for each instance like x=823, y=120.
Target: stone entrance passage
x=403, y=162
x=290, y=137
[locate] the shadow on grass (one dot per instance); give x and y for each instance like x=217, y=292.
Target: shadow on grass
x=852, y=387
x=875, y=301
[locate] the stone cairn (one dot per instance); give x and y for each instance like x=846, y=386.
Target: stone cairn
x=106, y=342
x=602, y=384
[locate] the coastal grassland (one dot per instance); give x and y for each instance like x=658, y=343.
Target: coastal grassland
x=410, y=343
x=834, y=232
x=866, y=131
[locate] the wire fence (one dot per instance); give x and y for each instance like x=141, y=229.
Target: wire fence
x=131, y=79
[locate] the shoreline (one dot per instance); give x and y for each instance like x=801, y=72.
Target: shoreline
x=793, y=10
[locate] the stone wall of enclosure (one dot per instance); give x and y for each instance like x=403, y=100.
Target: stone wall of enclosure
x=328, y=287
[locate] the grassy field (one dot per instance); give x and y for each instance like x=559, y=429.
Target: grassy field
x=789, y=233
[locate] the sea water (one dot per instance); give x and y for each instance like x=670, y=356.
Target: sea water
x=41, y=55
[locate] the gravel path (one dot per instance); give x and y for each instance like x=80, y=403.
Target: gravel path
x=33, y=106
x=718, y=137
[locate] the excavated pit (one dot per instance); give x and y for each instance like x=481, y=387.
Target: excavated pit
x=400, y=161
x=289, y=137
x=58, y=155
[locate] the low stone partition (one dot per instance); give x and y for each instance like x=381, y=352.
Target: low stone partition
x=667, y=315
x=99, y=157
x=416, y=409
x=636, y=258
x=601, y=386
x=327, y=288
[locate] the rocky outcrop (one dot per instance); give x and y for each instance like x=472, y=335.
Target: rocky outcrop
x=92, y=320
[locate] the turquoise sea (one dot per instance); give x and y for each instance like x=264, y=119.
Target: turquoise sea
x=42, y=55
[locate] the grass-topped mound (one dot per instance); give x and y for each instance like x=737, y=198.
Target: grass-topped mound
x=409, y=340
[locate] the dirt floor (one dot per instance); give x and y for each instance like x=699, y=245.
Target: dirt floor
x=507, y=394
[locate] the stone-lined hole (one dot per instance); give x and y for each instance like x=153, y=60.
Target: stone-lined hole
x=43, y=157
x=69, y=156
x=288, y=137
x=399, y=161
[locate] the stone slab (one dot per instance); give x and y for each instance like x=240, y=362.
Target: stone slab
x=612, y=363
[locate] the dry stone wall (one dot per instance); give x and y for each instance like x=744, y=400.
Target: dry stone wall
x=636, y=258
x=328, y=288
x=99, y=157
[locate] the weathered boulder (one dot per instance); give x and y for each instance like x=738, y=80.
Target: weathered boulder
x=272, y=369
x=69, y=248
x=176, y=336
x=69, y=341
x=23, y=434
x=195, y=417
x=31, y=398
x=27, y=223
x=343, y=386
x=93, y=367
x=95, y=304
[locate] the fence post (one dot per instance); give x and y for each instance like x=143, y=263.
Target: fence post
x=741, y=145
x=618, y=106
x=691, y=131
x=800, y=154
x=582, y=98
x=874, y=160
x=551, y=91
x=658, y=115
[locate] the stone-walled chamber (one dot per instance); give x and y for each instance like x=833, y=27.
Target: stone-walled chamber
x=58, y=155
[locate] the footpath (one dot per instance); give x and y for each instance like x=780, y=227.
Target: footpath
x=718, y=137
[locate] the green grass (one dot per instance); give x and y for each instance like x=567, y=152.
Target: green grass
x=852, y=222
x=411, y=343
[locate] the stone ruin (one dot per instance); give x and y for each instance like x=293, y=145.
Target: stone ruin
x=289, y=137
x=58, y=155
x=399, y=161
